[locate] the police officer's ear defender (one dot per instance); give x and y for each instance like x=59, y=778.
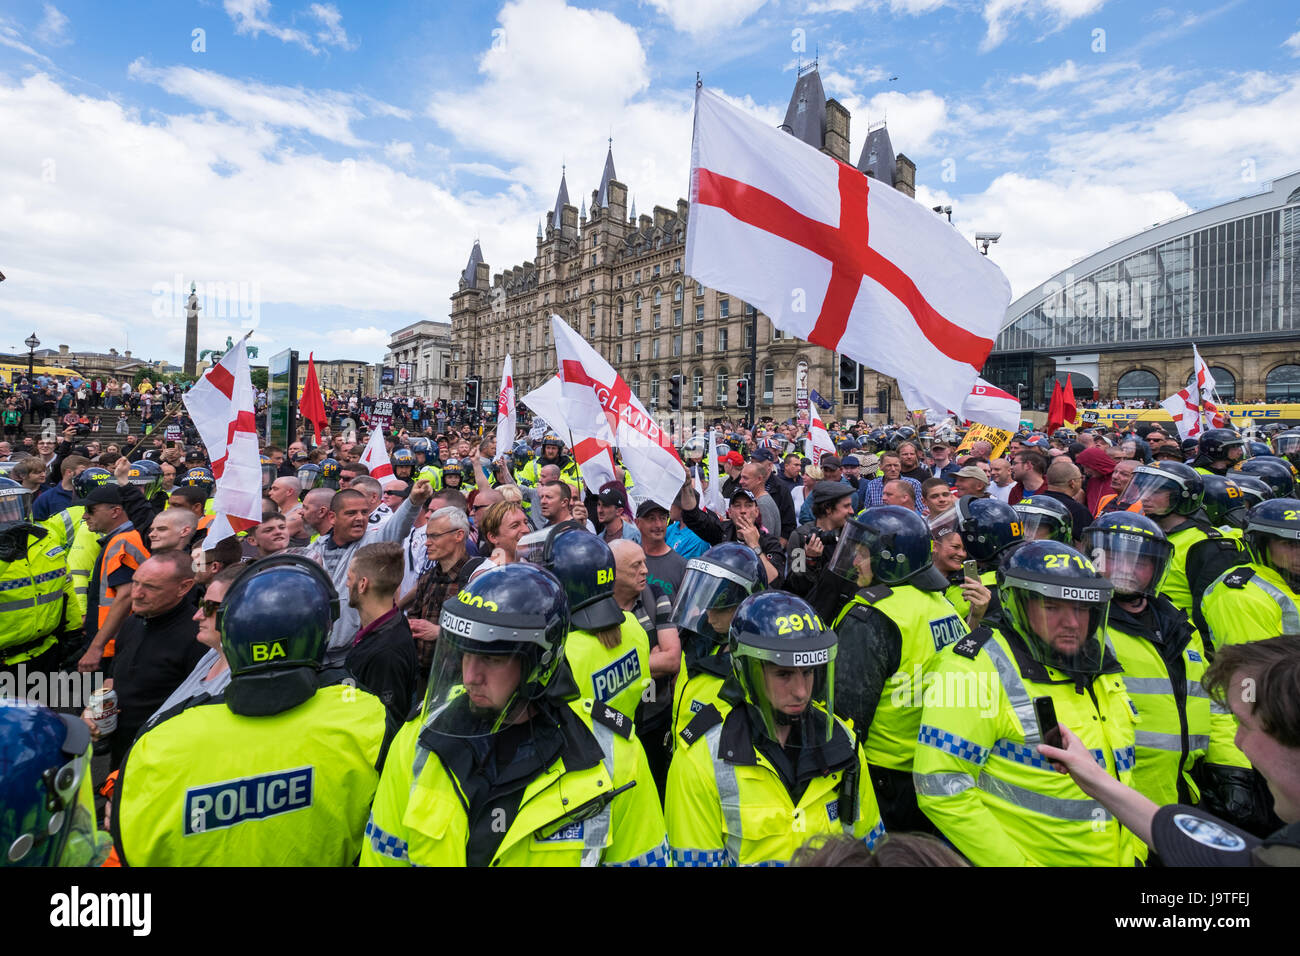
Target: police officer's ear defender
x=288, y=560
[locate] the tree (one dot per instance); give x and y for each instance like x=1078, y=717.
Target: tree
x=259, y=377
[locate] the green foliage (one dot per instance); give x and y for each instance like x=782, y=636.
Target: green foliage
x=259, y=377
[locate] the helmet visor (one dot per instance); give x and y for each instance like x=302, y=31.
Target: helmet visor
x=15, y=505
x=789, y=696
x=482, y=677
x=852, y=557
x=1287, y=445
x=1133, y=561
x=708, y=599
x=1039, y=523
x=1062, y=623
x=1154, y=493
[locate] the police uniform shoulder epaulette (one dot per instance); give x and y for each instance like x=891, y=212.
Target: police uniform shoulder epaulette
x=1239, y=577
x=876, y=592
x=705, y=720
x=616, y=721
x=969, y=646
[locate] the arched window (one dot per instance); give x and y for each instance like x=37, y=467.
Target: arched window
x=592, y=310
x=1225, y=383
x=1138, y=383
x=769, y=384
x=697, y=387
x=658, y=296
x=636, y=385
x=1080, y=383
x=618, y=305
x=677, y=292
x=1283, y=384
x=638, y=300
x=721, y=386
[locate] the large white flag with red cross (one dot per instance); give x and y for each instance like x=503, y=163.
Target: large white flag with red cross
x=375, y=457
x=835, y=258
x=1192, y=408
x=819, y=440
x=506, y=411
x=602, y=411
x=221, y=404
x=986, y=404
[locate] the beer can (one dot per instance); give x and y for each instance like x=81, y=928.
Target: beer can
x=103, y=710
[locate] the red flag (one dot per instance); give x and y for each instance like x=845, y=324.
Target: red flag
x=1069, y=410
x=1056, y=410
x=310, y=406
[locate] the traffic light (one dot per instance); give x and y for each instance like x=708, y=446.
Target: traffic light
x=471, y=392
x=849, y=371
x=742, y=393
x=675, y=393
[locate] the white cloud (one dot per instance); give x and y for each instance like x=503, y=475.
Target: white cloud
x=253, y=17
x=99, y=207
x=1067, y=72
x=914, y=119
x=998, y=14
x=1292, y=43
x=371, y=337
x=326, y=114
x=705, y=17
x=331, y=32
x=10, y=37
x=53, y=29
x=401, y=153
x=907, y=7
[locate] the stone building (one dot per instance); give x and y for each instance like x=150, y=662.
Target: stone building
x=617, y=278
x=420, y=358
x=341, y=376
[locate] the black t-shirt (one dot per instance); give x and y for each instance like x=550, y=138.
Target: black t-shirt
x=1077, y=511
x=665, y=571
x=384, y=663
x=153, y=656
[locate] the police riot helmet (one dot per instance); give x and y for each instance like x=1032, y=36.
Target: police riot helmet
x=714, y=585
x=904, y=434
x=91, y=478
x=329, y=473
x=1287, y=445
x=467, y=471
x=15, y=503
x=1253, y=491
x=147, y=476
x=452, y=474
x=1055, y=599
x=584, y=565
x=517, y=611
x=1163, y=488
x=309, y=476
x=1273, y=537
x=1042, y=516
x=988, y=527
x=421, y=449
x=1254, y=448
x=886, y=545
x=276, y=620
x=1130, y=550
x=1275, y=472
x=552, y=440
x=269, y=473
x=1222, y=498
x=48, y=802
x=198, y=478
x=694, y=447
x=783, y=657
x=521, y=454
x=402, y=458
x=1219, y=444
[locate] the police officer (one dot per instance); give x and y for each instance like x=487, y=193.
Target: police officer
x=749, y=788
x=712, y=589
x=269, y=473
x=83, y=545
x=506, y=765
x=1277, y=473
x=329, y=473
x=1287, y=445
x=888, y=633
x=146, y=476
x=1261, y=599
x=552, y=454
x=607, y=649
x=979, y=775
x=47, y=804
x=282, y=770
x=1163, y=660
x=989, y=530
x=1218, y=450
x=37, y=598
x=403, y=463
x=309, y=476
x=1042, y=517
x=427, y=463
x=1171, y=494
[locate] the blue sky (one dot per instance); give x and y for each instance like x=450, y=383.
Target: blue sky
x=322, y=169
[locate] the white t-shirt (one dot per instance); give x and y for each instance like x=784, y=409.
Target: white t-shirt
x=1000, y=492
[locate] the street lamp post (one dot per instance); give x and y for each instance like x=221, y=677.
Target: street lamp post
x=32, y=343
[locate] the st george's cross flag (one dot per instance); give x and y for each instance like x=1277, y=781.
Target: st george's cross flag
x=375, y=457
x=221, y=404
x=986, y=404
x=602, y=410
x=1192, y=408
x=835, y=258
x=506, y=410
x=819, y=440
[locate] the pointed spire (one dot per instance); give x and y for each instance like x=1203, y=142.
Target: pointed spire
x=632, y=215
x=561, y=200
x=539, y=229
x=582, y=213
x=471, y=268
x=877, y=159
x=602, y=194
x=805, y=117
